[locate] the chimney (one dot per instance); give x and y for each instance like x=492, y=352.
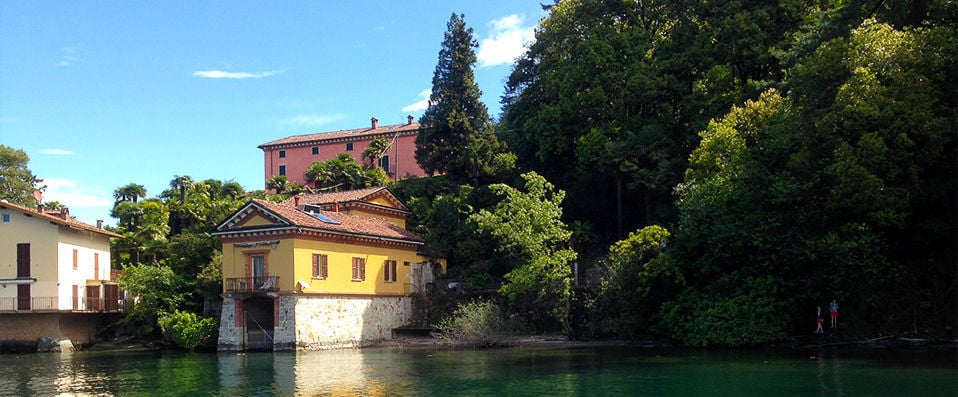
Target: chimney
x=99, y=223
x=375, y=123
x=64, y=213
x=40, y=208
x=296, y=201
x=408, y=120
x=335, y=206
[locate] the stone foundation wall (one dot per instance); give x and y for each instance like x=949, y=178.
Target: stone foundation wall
x=314, y=322
x=231, y=336
x=29, y=328
x=328, y=322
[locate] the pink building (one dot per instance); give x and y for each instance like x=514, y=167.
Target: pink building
x=291, y=156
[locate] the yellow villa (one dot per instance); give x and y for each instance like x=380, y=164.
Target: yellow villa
x=319, y=271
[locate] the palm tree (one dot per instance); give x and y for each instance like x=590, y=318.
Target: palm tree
x=182, y=183
x=131, y=192
x=377, y=148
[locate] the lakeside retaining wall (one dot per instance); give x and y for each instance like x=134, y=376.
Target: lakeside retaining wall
x=316, y=322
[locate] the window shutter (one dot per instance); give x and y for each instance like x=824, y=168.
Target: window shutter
x=316, y=265
x=323, y=268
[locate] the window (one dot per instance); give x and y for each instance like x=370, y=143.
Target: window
x=384, y=162
x=359, y=269
x=390, y=271
x=282, y=170
x=349, y=147
x=282, y=154
x=257, y=269
x=315, y=149
x=320, y=269
x=6, y=218
x=75, y=255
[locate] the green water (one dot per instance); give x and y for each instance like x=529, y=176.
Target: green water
x=609, y=371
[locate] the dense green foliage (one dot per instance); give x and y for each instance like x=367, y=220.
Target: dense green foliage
x=170, y=260
x=188, y=330
x=17, y=182
x=344, y=173
x=528, y=228
x=827, y=170
x=475, y=323
x=156, y=288
x=456, y=134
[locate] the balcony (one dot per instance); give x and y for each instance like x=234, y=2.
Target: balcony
x=38, y=304
x=252, y=284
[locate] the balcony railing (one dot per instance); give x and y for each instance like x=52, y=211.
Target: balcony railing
x=52, y=304
x=252, y=284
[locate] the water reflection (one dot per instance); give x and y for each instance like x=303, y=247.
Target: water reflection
x=379, y=372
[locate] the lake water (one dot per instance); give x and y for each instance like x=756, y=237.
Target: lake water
x=538, y=371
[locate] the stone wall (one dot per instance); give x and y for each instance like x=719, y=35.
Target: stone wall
x=29, y=328
x=231, y=336
x=315, y=322
x=329, y=322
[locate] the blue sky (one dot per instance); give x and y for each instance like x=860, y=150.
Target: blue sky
x=104, y=93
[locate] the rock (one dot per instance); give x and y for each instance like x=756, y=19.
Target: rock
x=52, y=344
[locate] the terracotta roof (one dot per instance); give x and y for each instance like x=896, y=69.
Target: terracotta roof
x=333, y=197
x=352, y=224
x=55, y=217
x=358, y=133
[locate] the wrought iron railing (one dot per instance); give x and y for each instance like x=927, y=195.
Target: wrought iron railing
x=52, y=304
x=252, y=284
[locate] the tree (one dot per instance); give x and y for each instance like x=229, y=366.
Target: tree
x=17, y=182
x=130, y=192
x=157, y=289
x=344, y=173
x=528, y=227
x=182, y=184
x=456, y=135
x=377, y=148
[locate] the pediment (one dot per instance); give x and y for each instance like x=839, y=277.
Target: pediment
x=252, y=216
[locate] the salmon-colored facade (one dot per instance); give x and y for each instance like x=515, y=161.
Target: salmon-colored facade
x=291, y=156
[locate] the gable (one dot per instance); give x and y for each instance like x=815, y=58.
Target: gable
x=256, y=219
x=252, y=215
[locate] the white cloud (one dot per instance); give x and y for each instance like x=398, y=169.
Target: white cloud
x=71, y=194
x=219, y=74
x=506, y=41
x=312, y=120
x=70, y=56
x=420, y=105
x=57, y=152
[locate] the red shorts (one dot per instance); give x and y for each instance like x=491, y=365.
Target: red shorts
x=834, y=314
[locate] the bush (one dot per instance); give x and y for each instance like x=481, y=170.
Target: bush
x=188, y=330
x=477, y=324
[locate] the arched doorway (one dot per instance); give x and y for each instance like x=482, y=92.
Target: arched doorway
x=258, y=317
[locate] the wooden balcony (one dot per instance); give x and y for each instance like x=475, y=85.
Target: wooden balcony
x=252, y=284
x=48, y=304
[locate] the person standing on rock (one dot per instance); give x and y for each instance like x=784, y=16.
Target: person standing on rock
x=820, y=320
x=833, y=308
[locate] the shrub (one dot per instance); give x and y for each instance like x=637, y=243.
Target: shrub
x=188, y=330
x=477, y=324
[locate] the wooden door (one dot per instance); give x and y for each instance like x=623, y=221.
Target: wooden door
x=93, y=298
x=23, y=297
x=23, y=260
x=111, y=297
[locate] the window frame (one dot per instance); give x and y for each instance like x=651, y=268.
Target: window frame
x=315, y=150
x=320, y=266
x=359, y=269
x=349, y=146
x=282, y=170
x=389, y=271
x=282, y=154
